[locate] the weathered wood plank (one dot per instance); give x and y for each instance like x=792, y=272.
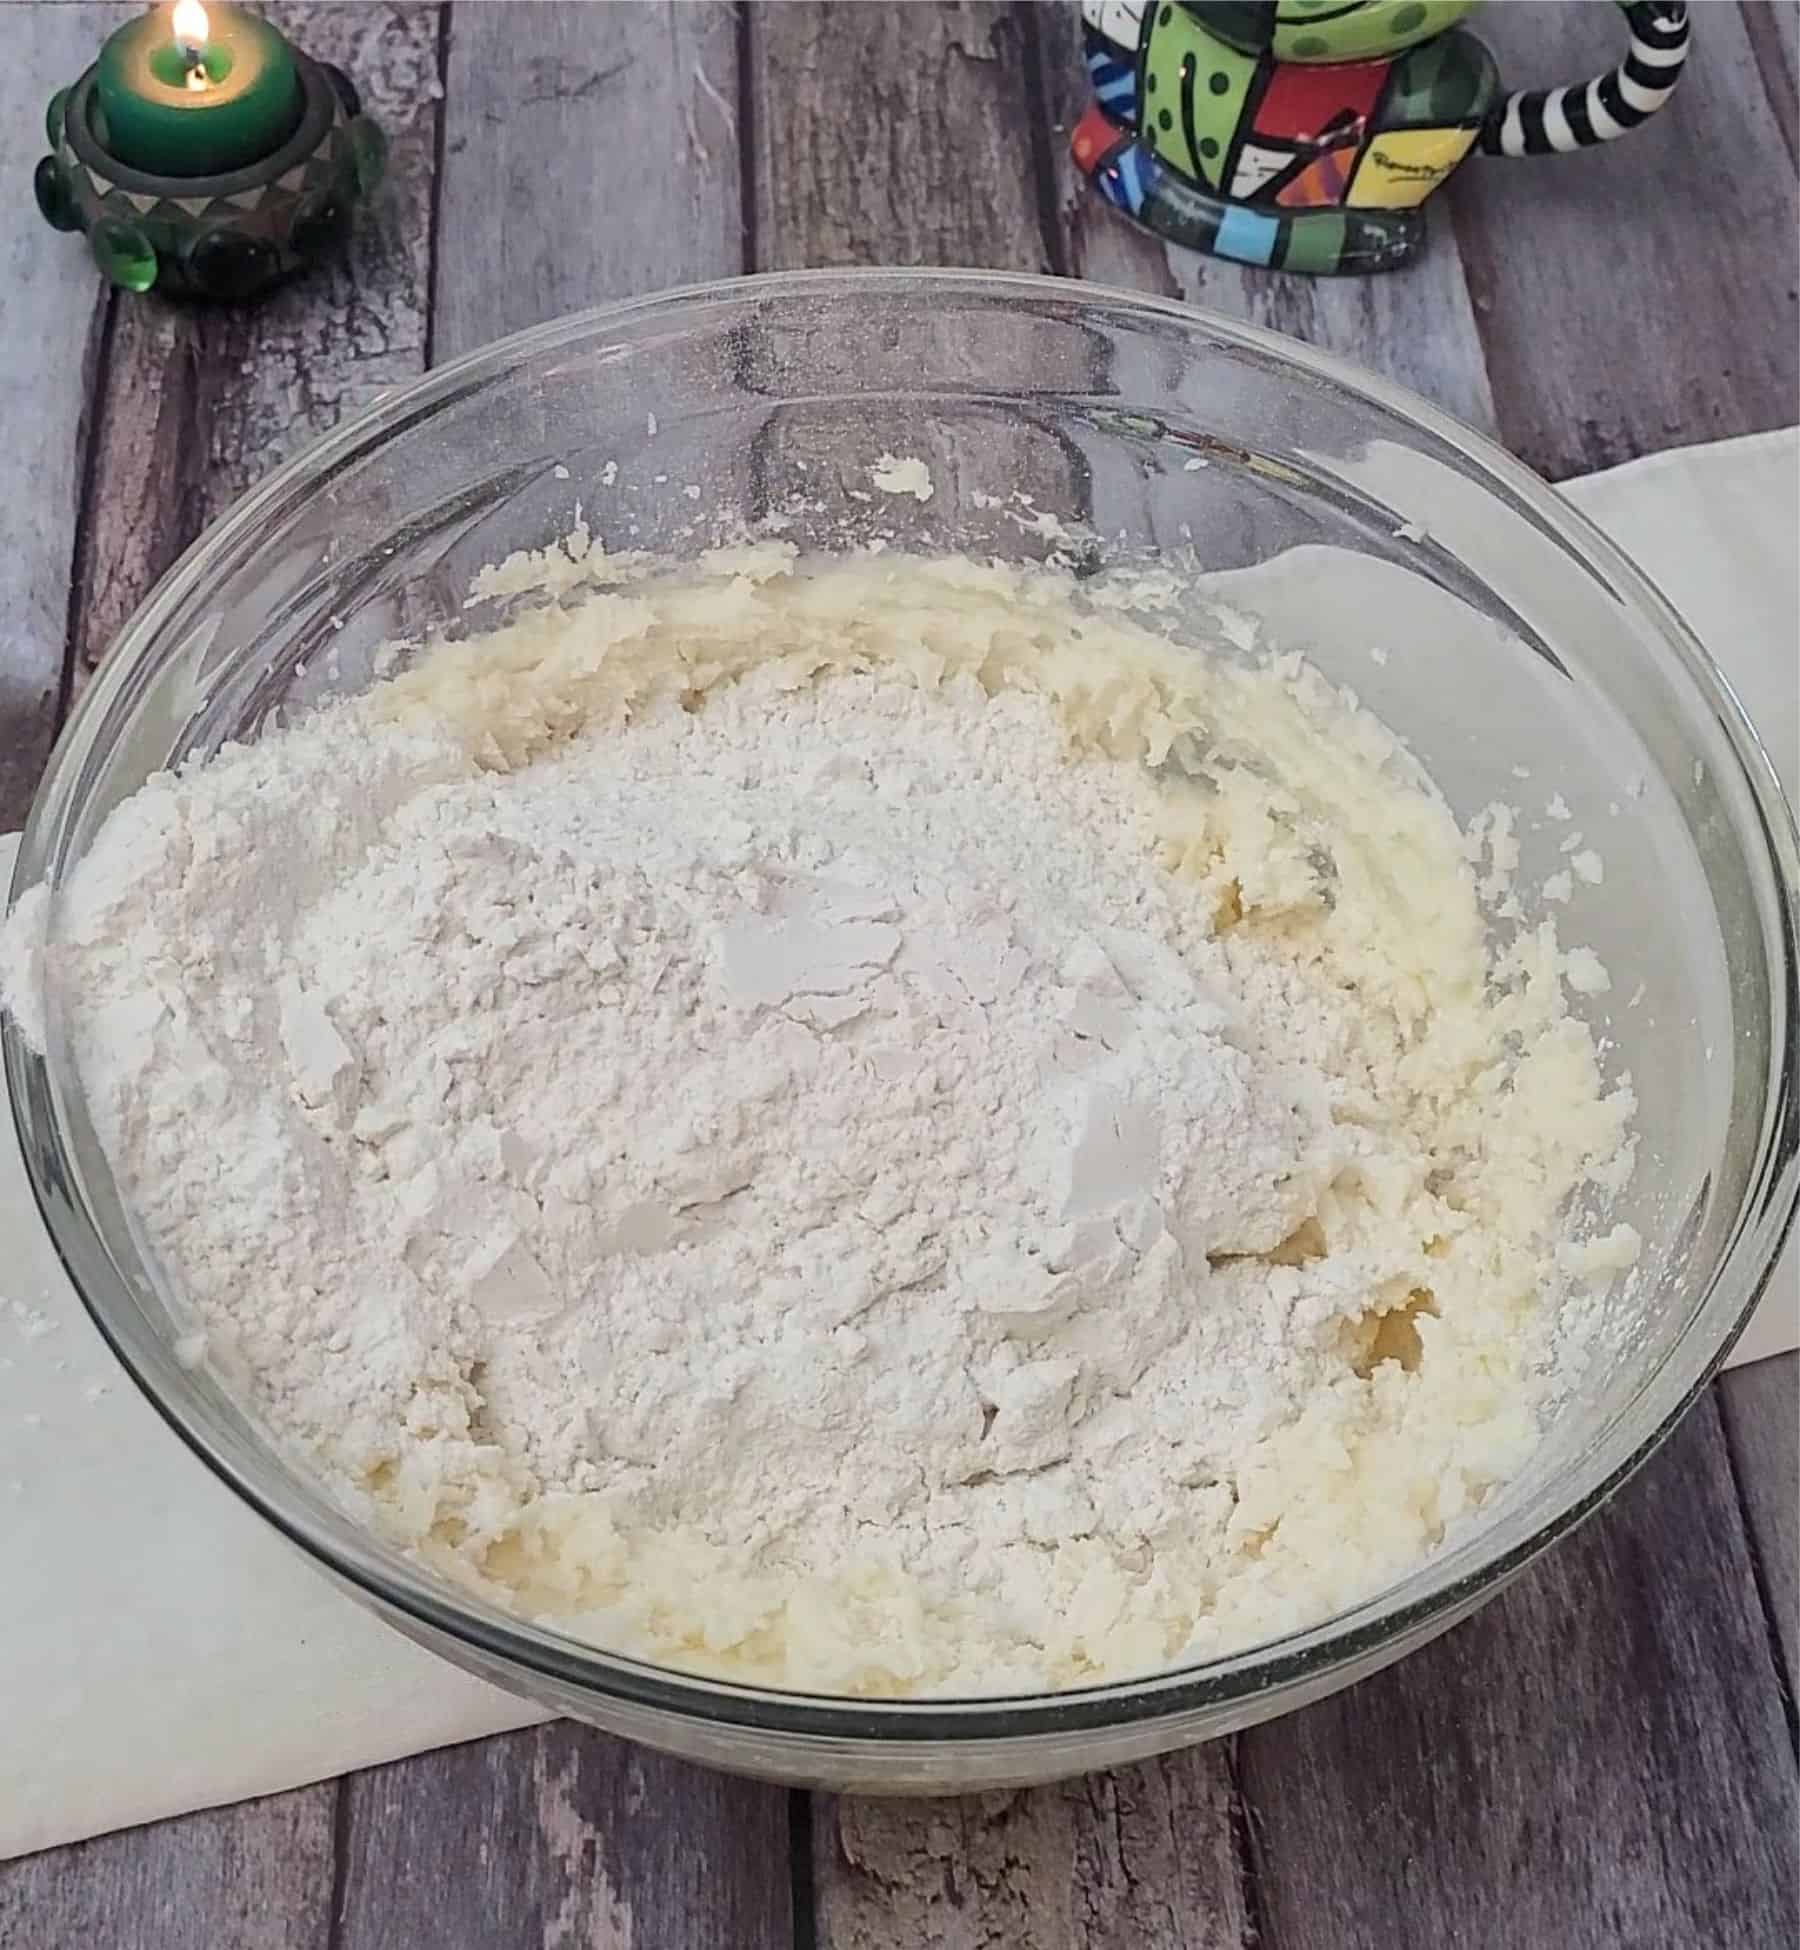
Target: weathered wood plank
x=198, y=403
x=1141, y=1859
x=555, y=1837
x=893, y=135
x=1416, y=326
x=1597, y=1758
x=1761, y=1409
x=190, y=408
x=902, y=135
x=907, y=135
x=1407, y=1855
x=255, y=1877
x=1774, y=30
x=590, y=152
x=51, y=314
x=1646, y=294
x=1121, y=1855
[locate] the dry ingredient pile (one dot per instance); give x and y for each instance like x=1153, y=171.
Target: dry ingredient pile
x=867, y=1123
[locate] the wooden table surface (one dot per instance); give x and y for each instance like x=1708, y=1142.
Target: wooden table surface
x=1607, y=1754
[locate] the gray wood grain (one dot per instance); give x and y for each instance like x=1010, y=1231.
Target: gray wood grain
x=1774, y=30
x=256, y=1876
x=50, y=311
x=903, y=135
x=1759, y=1404
x=558, y=1837
x=1409, y=1855
x=1415, y=326
x=911, y=135
x=189, y=407
x=1761, y=1409
x=894, y=135
x=593, y=149
x=590, y=152
x=1598, y=1758
x=1646, y=294
x=197, y=403
x=1146, y=1858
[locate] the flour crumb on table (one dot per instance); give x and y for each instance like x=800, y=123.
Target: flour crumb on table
x=897, y=474
x=31, y=1322
x=863, y=1124
x=1588, y=866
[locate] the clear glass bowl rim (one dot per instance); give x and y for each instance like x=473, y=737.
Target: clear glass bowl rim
x=1439, y=1591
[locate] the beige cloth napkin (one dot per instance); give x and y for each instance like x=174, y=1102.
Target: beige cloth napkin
x=161, y=1649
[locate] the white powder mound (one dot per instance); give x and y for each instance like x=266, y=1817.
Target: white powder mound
x=741, y=1116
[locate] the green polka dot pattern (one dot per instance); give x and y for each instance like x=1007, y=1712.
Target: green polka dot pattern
x=1357, y=33
x=1200, y=87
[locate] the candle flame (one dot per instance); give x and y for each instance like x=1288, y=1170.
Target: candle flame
x=189, y=23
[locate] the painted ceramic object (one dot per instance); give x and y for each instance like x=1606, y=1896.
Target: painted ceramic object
x=1307, y=134
x=217, y=237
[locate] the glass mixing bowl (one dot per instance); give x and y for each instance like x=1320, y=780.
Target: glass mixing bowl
x=1345, y=514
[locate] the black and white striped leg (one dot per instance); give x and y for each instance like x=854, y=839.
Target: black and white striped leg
x=1553, y=121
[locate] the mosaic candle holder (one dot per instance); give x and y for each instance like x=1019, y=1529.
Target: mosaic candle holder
x=228, y=235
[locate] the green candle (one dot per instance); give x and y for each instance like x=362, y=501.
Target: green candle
x=196, y=91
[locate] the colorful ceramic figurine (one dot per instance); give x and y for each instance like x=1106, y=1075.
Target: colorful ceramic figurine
x=1306, y=134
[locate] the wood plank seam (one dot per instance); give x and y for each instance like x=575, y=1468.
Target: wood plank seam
x=1028, y=15
x=342, y=1817
x=804, y=1893
x=168, y=526
x=441, y=123
x=101, y=327
x=1759, y=1571
x=1247, y=1844
x=746, y=133
x=1765, y=24
x=1761, y=1409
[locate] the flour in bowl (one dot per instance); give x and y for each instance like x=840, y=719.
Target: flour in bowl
x=868, y=1124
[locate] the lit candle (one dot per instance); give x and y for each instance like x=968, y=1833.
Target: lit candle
x=188, y=91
